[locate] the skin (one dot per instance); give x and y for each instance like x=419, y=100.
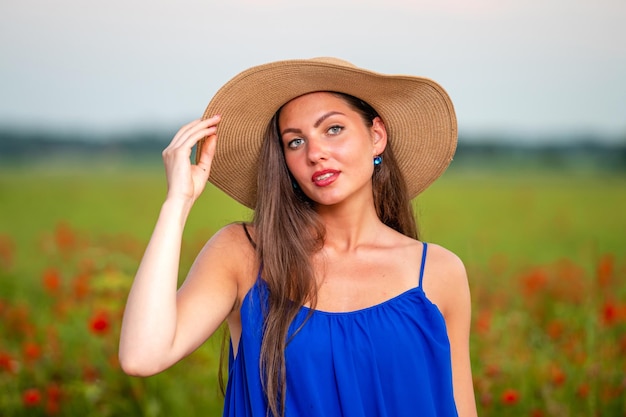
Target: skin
x=363, y=262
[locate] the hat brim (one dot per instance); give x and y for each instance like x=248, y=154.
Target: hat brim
x=417, y=112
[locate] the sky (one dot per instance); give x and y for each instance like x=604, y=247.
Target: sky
x=528, y=67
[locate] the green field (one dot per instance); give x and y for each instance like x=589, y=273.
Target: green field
x=545, y=252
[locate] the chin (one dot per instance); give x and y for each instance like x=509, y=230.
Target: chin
x=327, y=200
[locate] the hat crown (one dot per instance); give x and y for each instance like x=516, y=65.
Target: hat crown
x=333, y=61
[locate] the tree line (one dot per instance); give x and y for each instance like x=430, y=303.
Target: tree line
x=585, y=151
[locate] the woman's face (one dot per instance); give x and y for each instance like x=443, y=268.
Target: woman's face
x=328, y=148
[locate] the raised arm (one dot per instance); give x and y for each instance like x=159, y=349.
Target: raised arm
x=161, y=326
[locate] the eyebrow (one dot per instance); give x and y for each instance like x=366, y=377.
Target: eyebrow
x=317, y=123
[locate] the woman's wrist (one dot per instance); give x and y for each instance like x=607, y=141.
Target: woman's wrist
x=178, y=208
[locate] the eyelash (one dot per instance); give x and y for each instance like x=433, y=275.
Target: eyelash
x=335, y=127
x=291, y=144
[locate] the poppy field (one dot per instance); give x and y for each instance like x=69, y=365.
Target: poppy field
x=545, y=254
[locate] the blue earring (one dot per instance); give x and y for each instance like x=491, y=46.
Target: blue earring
x=378, y=160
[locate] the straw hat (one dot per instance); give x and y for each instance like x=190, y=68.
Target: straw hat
x=417, y=112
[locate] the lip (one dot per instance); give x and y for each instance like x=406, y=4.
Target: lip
x=324, y=177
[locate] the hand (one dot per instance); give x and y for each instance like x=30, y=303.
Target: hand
x=184, y=180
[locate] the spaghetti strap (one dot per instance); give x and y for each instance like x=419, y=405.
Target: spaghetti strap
x=424, y=250
x=245, y=229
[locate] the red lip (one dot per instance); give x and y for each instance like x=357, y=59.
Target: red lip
x=324, y=177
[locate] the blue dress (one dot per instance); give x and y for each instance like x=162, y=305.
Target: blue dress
x=388, y=360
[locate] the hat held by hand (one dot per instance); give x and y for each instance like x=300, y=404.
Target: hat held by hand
x=417, y=112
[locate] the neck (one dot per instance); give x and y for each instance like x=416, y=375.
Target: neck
x=349, y=226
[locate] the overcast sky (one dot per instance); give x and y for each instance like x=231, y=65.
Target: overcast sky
x=529, y=66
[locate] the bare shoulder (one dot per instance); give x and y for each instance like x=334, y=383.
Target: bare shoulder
x=445, y=263
x=445, y=279
x=230, y=252
x=231, y=240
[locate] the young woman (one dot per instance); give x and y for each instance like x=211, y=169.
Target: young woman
x=333, y=305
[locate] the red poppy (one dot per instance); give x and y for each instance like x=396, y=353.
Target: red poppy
x=53, y=391
x=555, y=329
x=18, y=318
x=583, y=390
x=32, y=351
x=7, y=363
x=51, y=280
x=53, y=399
x=99, y=323
x=573, y=276
x=81, y=285
x=483, y=322
x=31, y=397
x=609, y=313
x=492, y=371
x=557, y=375
x=534, y=282
x=605, y=270
x=64, y=236
x=510, y=396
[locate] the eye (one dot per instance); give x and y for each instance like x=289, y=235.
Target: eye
x=335, y=129
x=295, y=143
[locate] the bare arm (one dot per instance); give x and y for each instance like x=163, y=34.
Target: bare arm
x=450, y=291
x=161, y=325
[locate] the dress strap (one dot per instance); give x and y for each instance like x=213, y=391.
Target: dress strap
x=424, y=250
x=245, y=229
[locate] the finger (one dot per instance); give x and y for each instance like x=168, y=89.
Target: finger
x=183, y=130
x=189, y=142
x=181, y=153
x=183, y=146
x=192, y=128
x=207, y=152
x=200, y=125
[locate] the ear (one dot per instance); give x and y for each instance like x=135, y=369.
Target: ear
x=379, y=136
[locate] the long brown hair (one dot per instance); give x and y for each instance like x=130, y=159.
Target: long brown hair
x=288, y=232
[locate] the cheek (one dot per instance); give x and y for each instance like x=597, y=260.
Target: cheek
x=293, y=163
x=361, y=156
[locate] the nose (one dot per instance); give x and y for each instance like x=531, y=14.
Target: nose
x=316, y=151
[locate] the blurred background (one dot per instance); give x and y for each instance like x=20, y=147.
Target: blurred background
x=534, y=202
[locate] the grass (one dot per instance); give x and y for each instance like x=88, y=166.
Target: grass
x=544, y=249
